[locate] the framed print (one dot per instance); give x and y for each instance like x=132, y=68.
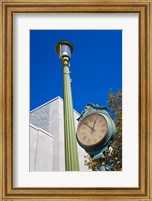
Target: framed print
x=44, y=32
x=112, y=49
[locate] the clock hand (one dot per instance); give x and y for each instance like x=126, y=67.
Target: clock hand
x=89, y=126
x=93, y=126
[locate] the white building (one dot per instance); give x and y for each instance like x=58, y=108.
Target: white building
x=47, y=138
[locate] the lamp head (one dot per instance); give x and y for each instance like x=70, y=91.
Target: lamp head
x=64, y=49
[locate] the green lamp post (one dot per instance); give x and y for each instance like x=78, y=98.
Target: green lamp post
x=64, y=50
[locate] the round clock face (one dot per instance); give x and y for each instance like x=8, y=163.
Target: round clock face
x=92, y=129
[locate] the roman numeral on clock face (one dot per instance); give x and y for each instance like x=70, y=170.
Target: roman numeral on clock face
x=88, y=140
x=94, y=140
x=84, y=137
x=91, y=119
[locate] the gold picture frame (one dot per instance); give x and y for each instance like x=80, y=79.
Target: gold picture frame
x=7, y=9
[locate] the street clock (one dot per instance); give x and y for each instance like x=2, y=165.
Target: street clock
x=95, y=130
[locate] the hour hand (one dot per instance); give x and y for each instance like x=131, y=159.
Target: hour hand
x=89, y=126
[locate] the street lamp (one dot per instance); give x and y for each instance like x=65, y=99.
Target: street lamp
x=64, y=50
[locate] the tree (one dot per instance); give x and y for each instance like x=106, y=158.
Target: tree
x=113, y=158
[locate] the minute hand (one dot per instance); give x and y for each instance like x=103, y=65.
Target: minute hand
x=93, y=126
x=89, y=126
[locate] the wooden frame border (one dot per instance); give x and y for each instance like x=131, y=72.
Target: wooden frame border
x=7, y=9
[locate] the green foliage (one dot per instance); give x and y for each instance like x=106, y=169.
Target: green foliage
x=115, y=111
x=113, y=158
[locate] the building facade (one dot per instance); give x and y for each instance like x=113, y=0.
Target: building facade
x=47, y=151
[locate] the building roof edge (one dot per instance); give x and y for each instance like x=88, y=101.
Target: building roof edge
x=58, y=97
x=48, y=102
x=42, y=130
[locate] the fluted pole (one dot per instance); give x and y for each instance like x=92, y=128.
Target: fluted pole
x=71, y=153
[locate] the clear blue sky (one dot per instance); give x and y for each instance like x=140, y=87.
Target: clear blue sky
x=96, y=66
